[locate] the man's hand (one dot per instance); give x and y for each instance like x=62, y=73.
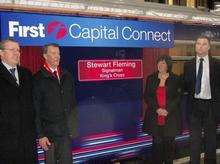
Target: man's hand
x=44, y=143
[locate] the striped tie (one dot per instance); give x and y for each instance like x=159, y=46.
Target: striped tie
x=12, y=71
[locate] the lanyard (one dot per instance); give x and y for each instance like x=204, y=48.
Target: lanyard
x=47, y=67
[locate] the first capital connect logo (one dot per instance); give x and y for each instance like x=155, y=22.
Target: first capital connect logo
x=58, y=30
x=54, y=28
x=58, y=27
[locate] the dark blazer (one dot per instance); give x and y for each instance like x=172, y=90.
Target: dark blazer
x=55, y=105
x=173, y=119
x=190, y=80
x=17, y=126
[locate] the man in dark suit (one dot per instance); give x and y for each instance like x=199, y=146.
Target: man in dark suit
x=17, y=127
x=201, y=83
x=54, y=101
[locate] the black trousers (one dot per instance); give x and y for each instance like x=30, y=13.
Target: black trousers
x=163, y=148
x=202, y=119
x=16, y=157
x=60, y=152
x=19, y=152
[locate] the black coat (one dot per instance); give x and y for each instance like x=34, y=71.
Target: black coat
x=173, y=120
x=190, y=80
x=55, y=105
x=17, y=126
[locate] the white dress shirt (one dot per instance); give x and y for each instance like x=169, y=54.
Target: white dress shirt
x=52, y=70
x=205, y=83
x=10, y=67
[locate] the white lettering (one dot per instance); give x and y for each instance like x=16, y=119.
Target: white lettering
x=96, y=33
x=71, y=30
x=98, y=65
x=131, y=34
x=26, y=31
x=12, y=28
x=124, y=64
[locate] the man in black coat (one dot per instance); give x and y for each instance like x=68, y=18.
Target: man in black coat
x=17, y=127
x=201, y=83
x=54, y=101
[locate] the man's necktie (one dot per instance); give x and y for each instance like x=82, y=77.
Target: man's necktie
x=55, y=75
x=12, y=71
x=199, y=77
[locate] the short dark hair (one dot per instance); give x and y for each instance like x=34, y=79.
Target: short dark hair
x=2, y=43
x=168, y=61
x=204, y=37
x=45, y=47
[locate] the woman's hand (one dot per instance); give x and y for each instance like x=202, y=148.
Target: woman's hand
x=44, y=143
x=162, y=112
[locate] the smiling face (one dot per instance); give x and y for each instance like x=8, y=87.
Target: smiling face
x=52, y=56
x=202, y=47
x=10, y=54
x=162, y=66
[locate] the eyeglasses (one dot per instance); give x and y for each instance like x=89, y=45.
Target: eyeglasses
x=13, y=50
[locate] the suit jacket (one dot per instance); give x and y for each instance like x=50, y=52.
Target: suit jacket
x=173, y=119
x=17, y=126
x=55, y=105
x=190, y=80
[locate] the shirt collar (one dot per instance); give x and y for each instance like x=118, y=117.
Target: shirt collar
x=52, y=70
x=8, y=66
x=206, y=58
x=48, y=67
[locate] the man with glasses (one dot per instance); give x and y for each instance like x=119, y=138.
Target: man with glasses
x=17, y=127
x=54, y=101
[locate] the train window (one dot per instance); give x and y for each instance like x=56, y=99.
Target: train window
x=180, y=2
x=201, y=3
x=175, y=2
x=157, y=1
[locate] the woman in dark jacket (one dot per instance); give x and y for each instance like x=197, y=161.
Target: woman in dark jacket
x=162, y=119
